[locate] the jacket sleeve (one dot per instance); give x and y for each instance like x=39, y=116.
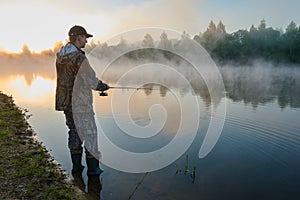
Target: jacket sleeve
x=87, y=75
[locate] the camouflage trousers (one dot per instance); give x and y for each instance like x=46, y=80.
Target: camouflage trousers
x=82, y=128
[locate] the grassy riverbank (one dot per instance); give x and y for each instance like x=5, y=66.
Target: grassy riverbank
x=27, y=171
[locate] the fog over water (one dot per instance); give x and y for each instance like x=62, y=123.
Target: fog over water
x=260, y=82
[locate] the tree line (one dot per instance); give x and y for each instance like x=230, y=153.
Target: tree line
x=244, y=46
x=240, y=47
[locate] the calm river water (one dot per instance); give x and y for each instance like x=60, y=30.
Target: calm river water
x=257, y=155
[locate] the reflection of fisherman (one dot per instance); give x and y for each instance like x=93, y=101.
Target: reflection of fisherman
x=74, y=71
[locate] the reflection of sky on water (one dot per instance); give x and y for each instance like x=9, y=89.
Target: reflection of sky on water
x=153, y=128
x=39, y=91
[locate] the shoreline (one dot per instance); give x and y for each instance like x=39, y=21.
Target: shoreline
x=27, y=170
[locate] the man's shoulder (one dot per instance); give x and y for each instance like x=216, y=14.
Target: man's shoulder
x=70, y=50
x=74, y=55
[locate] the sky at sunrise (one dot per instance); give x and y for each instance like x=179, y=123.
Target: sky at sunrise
x=41, y=23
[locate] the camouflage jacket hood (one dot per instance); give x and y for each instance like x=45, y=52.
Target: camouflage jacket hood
x=68, y=49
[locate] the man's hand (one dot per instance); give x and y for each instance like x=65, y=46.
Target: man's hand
x=102, y=86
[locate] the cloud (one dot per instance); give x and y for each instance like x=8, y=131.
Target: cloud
x=41, y=23
x=174, y=14
x=88, y=7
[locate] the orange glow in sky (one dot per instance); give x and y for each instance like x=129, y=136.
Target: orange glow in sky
x=40, y=24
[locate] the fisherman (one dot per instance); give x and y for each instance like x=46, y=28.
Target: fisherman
x=74, y=72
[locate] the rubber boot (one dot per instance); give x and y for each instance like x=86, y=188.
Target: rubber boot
x=78, y=181
x=76, y=161
x=94, y=186
x=93, y=167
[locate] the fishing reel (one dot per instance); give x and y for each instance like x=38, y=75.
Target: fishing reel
x=103, y=94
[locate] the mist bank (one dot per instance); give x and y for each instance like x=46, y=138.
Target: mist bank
x=29, y=64
x=260, y=82
x=257, y=82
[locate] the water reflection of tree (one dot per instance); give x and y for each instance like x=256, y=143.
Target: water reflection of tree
x=259, y=85
x=288, y=92
x=245, y=85
x=163, y=91
x=29, y=64
x=149, y=89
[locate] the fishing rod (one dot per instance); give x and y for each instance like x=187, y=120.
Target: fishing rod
x=133, y=88
x=102, y=93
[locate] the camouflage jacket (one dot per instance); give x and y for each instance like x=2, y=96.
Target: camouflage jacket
x=75, y=80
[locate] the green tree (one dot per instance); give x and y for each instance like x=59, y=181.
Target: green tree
x=291, y=43
x=221, y=28
x=211, y=27
x=262, y=25
x=212, y=36
x=165, y=44
x=244, y=46
x=252, y=29
x=148, y=41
